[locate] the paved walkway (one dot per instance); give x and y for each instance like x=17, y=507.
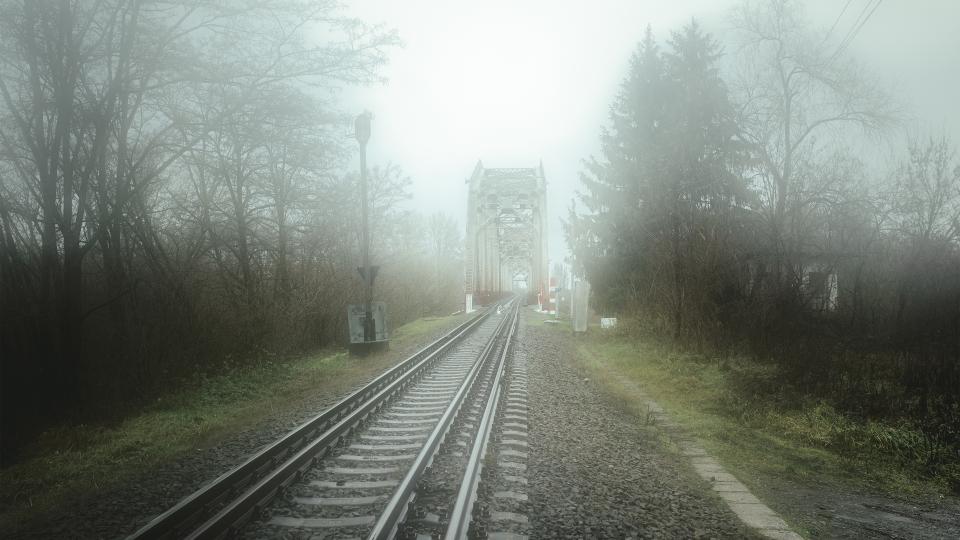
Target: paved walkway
x=744, y=504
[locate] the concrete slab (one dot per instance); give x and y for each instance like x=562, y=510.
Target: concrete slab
x=321, y=523
x=751, y=511
x=354, y=485
x=506, y=536
x=339, y=501
x=730, y=486
x=704, y=469
x=515, y=495
x=777, y=534
x=738, y=497
x=718, y=476
x=508, y=516
x=759, y=516
x=511, y=478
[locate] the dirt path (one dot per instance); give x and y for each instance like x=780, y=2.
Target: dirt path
x=833, y=512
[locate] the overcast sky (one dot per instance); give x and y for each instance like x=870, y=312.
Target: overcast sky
x=516, y=82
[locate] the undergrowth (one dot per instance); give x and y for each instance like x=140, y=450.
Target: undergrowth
x=748, y=412
x=73, y=461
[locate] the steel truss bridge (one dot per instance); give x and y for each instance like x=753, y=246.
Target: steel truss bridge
x=506, y=242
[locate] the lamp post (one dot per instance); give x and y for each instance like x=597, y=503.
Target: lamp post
x=362, y=132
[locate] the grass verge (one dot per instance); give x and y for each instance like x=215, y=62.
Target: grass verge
x=74, y=462
x=767, y=445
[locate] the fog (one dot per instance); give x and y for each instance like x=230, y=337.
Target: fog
x=511, y=83
x=733, y=225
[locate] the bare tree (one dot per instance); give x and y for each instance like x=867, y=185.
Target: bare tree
x=446, y=246
x=105, y=103
x=797, y=93
x=928, y=192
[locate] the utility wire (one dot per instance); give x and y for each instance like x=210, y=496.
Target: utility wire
x=855, y=29
x=840, y=16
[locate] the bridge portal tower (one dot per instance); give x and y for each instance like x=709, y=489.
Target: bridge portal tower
x=506, y=243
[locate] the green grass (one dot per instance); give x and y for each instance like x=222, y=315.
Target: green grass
x=764, y=442
x=77, y=461
x=412, y=332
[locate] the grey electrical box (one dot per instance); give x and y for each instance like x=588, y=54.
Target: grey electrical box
x=356, y=316
x=581, y=311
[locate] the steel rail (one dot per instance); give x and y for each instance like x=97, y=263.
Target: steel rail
x=461, y=516
x=293, y=450
x=387, y=524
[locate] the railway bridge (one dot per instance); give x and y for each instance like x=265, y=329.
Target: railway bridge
x=506, y=241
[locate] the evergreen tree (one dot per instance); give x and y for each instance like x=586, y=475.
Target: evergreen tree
x=664, y=187
x=608, y=235
x=694, y=189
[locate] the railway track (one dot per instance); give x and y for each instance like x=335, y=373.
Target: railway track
x=402, y=456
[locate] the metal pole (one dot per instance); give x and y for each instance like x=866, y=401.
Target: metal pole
x=363, y=135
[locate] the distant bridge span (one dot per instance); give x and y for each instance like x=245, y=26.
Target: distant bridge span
x=506, y=243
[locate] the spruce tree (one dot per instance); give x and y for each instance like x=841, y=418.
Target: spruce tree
x=607, y=237
x=653, y=199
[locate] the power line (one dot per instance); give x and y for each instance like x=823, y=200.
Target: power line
x=853, y=27
x=840, y=16
x=857, y=26
x=857, y=31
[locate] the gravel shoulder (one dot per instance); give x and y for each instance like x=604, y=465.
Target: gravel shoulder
x=118, y=511
x=819, y=492
x=596, y=471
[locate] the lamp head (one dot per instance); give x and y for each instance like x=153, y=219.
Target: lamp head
x=362, y=127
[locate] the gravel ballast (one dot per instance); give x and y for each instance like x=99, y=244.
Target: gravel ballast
x=594, y=470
